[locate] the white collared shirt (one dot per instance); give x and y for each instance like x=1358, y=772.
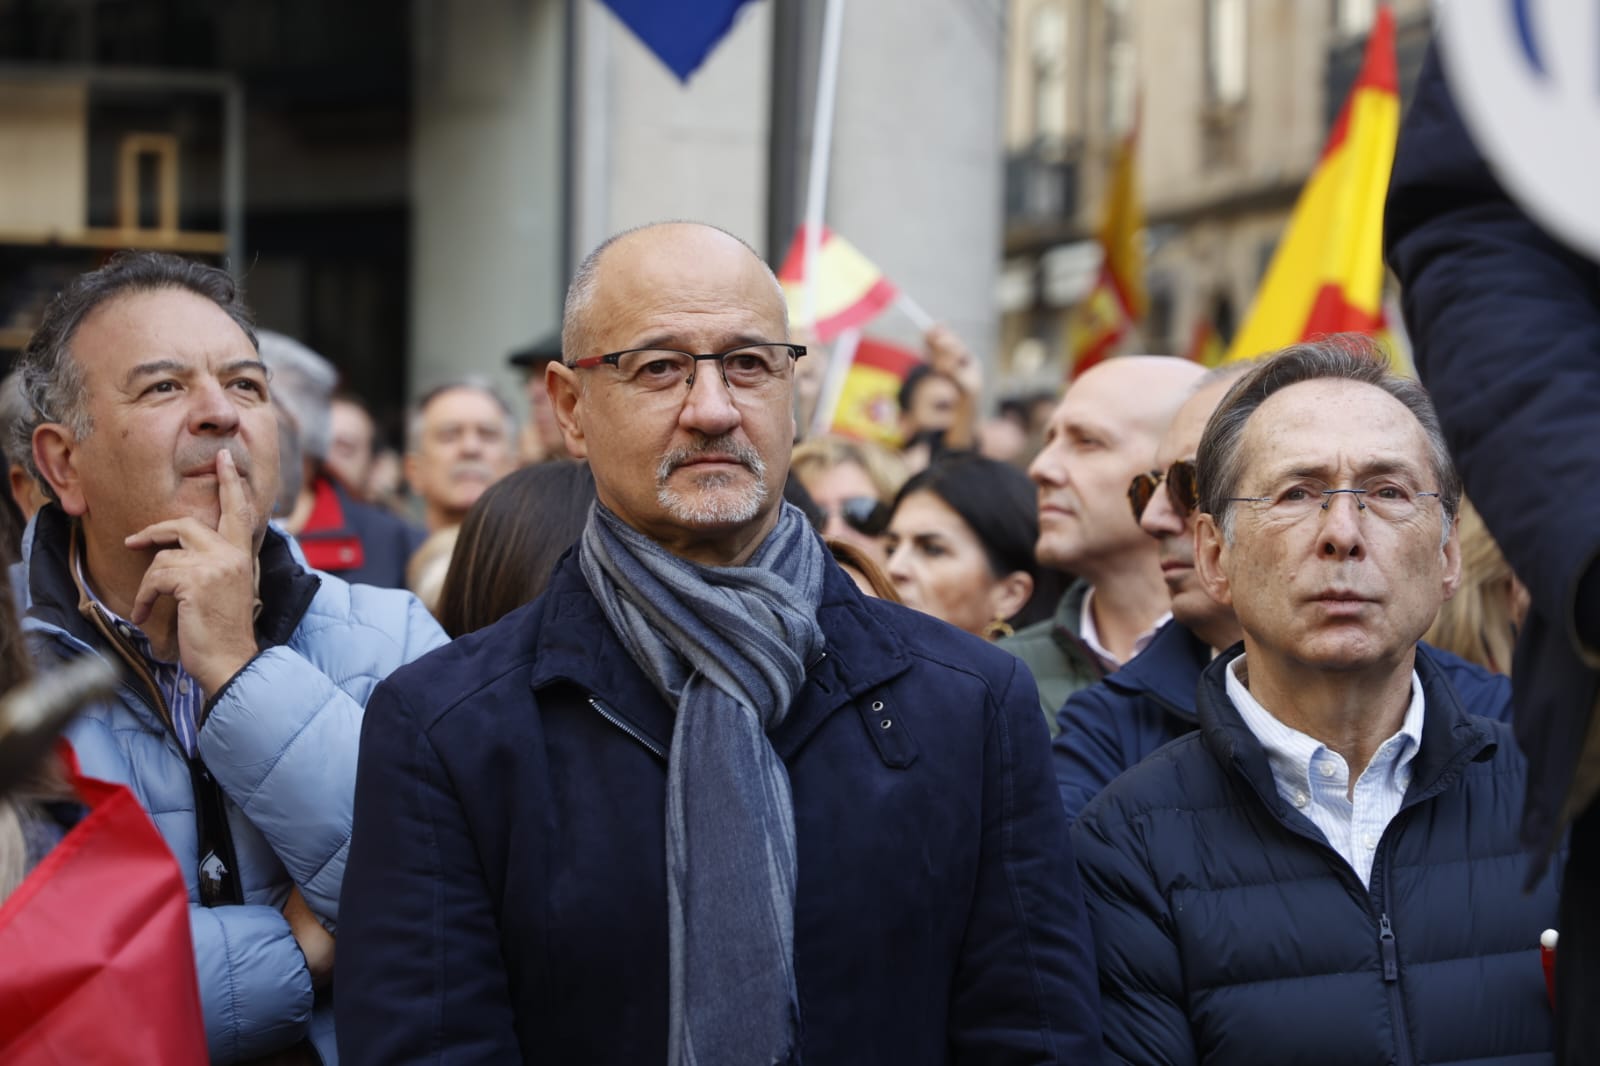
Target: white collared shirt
x=1089, y=633
x=1315, y=779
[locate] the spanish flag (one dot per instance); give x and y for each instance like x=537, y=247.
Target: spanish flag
x=1205, y=344
x=850, y=290
x=1118, y=299
x=869, y=402
x=1327, y=274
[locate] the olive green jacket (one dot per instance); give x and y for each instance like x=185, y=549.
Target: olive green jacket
x=1056, y=654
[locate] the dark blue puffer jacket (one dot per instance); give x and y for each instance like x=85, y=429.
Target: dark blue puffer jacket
x=1112, y=725
x=1228, y=931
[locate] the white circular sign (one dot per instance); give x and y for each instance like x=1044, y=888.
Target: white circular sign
x=1526, y=77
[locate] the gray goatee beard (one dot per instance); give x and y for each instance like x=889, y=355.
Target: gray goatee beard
x=715, y=498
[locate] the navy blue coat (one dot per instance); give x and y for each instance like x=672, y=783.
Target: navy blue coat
x=1108, y=727
x=1229, y=931
x=1506, y=326
x=505, y=898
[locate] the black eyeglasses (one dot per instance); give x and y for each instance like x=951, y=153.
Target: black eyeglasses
x=748, y=367
x=1183, y=489
x=219, y=867
x=864, y=514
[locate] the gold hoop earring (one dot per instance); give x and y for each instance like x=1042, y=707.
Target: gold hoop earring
x=999, y=629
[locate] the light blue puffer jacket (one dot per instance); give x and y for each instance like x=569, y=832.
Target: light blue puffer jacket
x=280, y=740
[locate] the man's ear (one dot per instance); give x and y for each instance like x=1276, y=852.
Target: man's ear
x=1452, y=561
x=566, y=394
x=1210, y=553
x=55, y=453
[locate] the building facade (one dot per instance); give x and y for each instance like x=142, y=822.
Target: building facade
x=1233, y=101
x=407, y=187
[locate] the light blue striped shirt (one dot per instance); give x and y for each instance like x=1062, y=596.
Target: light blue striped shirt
x=180, y=691
x=1315, y=779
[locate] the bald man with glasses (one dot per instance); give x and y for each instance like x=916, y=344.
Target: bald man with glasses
x=703, y=801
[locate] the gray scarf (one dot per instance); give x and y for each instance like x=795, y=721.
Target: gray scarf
x=728, y=647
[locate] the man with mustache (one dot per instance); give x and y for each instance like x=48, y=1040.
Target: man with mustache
x=1110, y=726
x=703, y=801
x=1328, y=869
x=151, y=422
x=460, y=440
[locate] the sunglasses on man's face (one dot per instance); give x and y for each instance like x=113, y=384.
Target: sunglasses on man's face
x=864, y=514
x=1183, y=489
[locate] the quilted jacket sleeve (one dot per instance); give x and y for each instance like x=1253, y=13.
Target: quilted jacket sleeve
x=1024, y=989
x=254, y=986
x=281, y=739
x=421, y=973
x=1141, y=977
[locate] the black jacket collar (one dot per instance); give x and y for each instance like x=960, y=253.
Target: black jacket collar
x=1450, y=737
x=1167, y=670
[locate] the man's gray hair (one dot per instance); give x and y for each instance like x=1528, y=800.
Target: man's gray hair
x=474, y=384
x=51, y=379
x=1343, y=357
x=302, y=384
x=13, y=414
x=575, y=326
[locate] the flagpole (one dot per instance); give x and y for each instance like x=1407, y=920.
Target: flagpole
x=844, y=353
x=915, y=312
x=816, y=201
x=821, y=150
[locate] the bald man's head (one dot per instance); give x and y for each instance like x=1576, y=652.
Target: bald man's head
x=1103, y=433
x=674, y=242
x=691, y=455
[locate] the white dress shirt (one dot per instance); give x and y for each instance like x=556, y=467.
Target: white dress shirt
x=1315, y=779
x=1089, y=633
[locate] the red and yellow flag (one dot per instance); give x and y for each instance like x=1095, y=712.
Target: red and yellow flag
x=1118, y=299
x=1327, y=274
x=869, y=405
x=850, y=290
x=1205, y=344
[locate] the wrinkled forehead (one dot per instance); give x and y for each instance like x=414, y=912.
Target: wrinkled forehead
x=463, y=405
x=1333, y=430
x=171, y=327
x=684, y=285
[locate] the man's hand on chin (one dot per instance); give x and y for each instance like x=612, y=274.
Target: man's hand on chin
x=210, y=575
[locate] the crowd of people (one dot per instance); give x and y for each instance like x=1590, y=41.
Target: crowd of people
x=693, y=741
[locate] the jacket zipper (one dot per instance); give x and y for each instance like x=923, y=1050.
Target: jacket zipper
x=1388, y=949
x=616, y=720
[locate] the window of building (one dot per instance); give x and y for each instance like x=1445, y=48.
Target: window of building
x=1225, y=52
x=1354, y=18
x=1122, y=90
x=1047, y=46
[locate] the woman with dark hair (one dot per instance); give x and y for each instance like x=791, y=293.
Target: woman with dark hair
x=961, y=542
x=510, y=542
